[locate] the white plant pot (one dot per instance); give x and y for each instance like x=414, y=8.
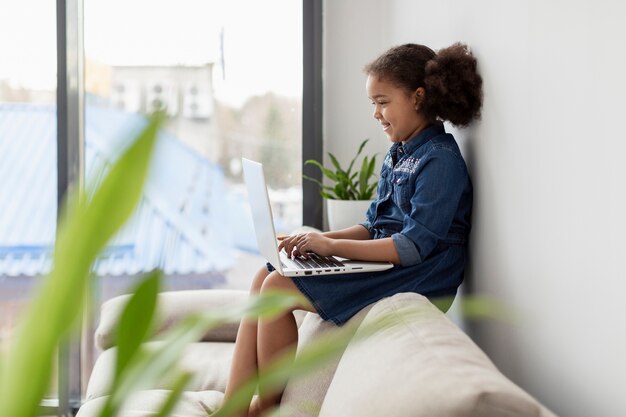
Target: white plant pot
x=346, y=213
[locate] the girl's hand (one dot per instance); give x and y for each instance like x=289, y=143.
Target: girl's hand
x=300, y=244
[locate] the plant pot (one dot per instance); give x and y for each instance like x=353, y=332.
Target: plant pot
x=346, y=213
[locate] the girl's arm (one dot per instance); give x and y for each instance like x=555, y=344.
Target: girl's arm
x=356, y=232
x=364, y=249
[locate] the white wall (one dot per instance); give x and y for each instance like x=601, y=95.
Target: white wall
x=353, y=37
x=549, y=234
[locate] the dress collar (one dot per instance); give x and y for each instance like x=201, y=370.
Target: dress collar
x=422, y=137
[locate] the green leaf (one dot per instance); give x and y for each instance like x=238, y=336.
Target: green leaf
x=333, y=343
x=357, y=154
x=329, y=196
x=315, y=180
x=343, y=180
x=372, y=166
x=335, y=162
x=177, y=391
x=320, y=184
x=87, y=226
x=275, y=411
x=272, y=303
x=340, y=192
x=148, y=366
x=136, y=321
x=313, y=355
x=330, y=174
x=347, y=185
x=363, y=176
x=362, y=146
x=479, y=308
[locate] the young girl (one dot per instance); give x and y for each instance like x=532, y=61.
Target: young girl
x=420, y=220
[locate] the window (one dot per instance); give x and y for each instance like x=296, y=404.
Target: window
x=27, y=155
x=231, y=84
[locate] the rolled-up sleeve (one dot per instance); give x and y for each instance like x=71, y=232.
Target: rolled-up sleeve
x=369, y=228
x=439, y=185
x=407, y=251
x=369, y=218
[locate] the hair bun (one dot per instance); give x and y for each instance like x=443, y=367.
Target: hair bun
x=453, y=86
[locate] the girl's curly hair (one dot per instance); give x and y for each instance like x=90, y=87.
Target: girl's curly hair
x=449, y=77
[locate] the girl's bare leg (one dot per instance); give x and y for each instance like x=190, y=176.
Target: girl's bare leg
x=276, y=337
x=244, y=363
x=260, y=341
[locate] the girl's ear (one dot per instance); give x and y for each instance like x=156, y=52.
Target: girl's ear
x=418, y=97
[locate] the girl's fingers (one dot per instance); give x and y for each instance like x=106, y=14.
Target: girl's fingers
x=285, y=242
x=295, y=245
x=291, y=245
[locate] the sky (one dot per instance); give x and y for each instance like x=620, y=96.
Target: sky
x=262, y=40
x=28, y=43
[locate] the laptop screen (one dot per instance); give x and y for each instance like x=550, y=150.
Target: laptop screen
x=261, y=212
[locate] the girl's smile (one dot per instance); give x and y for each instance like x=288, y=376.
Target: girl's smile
x=395, y=109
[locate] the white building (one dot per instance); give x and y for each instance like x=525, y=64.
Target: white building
x=184, y=92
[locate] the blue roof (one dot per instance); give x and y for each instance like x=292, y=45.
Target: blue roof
x=182, y=224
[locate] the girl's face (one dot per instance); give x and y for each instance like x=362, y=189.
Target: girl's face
x=395, y=109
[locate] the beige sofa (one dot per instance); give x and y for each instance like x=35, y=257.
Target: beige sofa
x=422, y=366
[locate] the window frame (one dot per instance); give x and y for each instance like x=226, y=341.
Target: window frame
x=312, y=110
x=70, y=168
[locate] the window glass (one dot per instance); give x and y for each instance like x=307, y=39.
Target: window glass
x=228, y=74
x=27, y=155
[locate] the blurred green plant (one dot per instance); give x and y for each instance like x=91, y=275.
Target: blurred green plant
x=87, y=226
x=91, y=219
x=347, y=185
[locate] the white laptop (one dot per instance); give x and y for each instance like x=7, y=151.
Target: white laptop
x=266, y=236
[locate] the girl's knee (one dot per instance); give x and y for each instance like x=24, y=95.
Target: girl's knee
x=277, y=282
x=265, y=280
x=273, y=281
x=257, y=281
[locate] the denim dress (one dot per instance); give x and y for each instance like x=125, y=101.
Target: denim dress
x=424, y=204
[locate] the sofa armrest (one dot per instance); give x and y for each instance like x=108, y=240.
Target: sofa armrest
x=172, y=307
x=420, y=348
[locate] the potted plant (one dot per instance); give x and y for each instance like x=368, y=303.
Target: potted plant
x=350, y=193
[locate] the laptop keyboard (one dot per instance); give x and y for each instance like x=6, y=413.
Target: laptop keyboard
x=316, y=261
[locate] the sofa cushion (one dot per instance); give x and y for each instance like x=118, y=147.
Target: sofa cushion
x=148, y=403
x=422, y=365
x=209, y=361
x=173, y=306
x=303, y=396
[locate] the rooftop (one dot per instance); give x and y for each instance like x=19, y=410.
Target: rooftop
x=187, y=221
